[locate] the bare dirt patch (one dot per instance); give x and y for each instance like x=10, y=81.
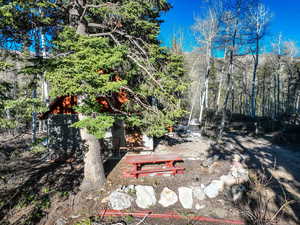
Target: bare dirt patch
x=30, y=184
x=46, y=192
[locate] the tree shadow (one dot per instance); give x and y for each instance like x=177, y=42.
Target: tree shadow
x=37, y=179
x=170, y=141
x=41, y=182
x=65, y=141
x=266, y=161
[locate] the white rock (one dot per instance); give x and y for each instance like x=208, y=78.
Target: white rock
x=213, y=189
x=119, y=201
x=228, y=180
x=145, y=196
x=186, y=197
x=197, y=206
x=167, y=197
x=198, y=193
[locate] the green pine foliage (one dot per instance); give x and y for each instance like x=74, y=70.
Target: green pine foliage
x=154, y=100
x=152, y=76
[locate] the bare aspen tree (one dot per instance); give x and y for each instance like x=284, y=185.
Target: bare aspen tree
x=259, y=17
x=193, y=100
x=232, y=34
x=277, y=65
x=206, y=30
x=221, y=78
x=290, y=51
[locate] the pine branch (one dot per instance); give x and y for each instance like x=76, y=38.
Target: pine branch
x=139, y=101
x=130, y=57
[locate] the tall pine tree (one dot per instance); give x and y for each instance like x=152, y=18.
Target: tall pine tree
x=102, y=48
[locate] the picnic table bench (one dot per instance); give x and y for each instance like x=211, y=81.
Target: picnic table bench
x=168, y=161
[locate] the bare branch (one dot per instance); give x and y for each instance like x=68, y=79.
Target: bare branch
x=99, y=35
x=146, y=70
x=98, y=25
x=115, y=109
x=83, y=14
x=138, y=100
x=130, y=57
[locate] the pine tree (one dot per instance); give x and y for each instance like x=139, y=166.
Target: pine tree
x=119, y=39
x=102, y=48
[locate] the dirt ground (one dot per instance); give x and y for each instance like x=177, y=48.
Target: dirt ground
x=29, y=183
x=33, y=190
x=279, y=166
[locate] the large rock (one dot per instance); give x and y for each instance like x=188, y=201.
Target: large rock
x=213, y=189
x=198, y=193
x=228, y=180
x=167, y=197
x=186, y=197
x=120, y=201
x=145, y=196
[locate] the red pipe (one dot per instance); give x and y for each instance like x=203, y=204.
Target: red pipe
x=170, y=215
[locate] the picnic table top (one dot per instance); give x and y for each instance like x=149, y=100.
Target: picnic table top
x=136, y=159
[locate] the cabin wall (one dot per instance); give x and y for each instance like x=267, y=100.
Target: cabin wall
x=64, y=139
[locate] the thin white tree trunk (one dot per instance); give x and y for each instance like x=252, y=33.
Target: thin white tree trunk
x=45, y=83
x=198, y=88
x=204, y=102
x=221, y=81
x=202, y=98
x=253, y=91
x=297, y=103
x=193, y=104
x=219, y=92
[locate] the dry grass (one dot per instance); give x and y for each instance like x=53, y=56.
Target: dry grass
x=258, y=204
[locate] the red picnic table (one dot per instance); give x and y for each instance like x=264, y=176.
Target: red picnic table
x=168, y=161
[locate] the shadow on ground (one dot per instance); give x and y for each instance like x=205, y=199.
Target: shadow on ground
x=33, y=182
x=279, y=165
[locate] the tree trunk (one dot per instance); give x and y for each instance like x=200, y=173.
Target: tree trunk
x=204, y=102
x=263, y=105
x=253, y=92
x=202, y=99
x=278, y=74
x=94, y=176
x=219, y=92
x=34, y=90
x=228, y=83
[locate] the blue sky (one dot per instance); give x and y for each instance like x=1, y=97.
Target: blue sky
x=286, y=19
